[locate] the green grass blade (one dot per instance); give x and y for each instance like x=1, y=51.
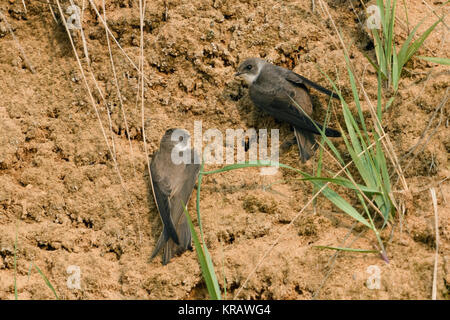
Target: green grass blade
x=387, y=38
x=444, y=61
x=360, y=163
x=365, y=164
x=199, y=186
x=406, y=13
x=205, y=261
x=47, y=282
x=322, y=140
x=380, y=53
x=418, y=43
x=380, y=86
x=344, y=104
x=356, y=147
x=356, y=99
x=396, y=71
x=347, y=249
x=341, y=203
x=345, y=183
x=390, y=34
x=209, y=276
x=404, y=48
x=380, y=4
x=388, y=104
x=247, y=164
x=374, y=65
x=358, y=144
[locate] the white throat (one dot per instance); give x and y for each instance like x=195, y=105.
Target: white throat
x=250, y=78
x=179, y=147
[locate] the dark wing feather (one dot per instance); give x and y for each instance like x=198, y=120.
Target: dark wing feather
x=162, y=191
x=278, y=102
x=162, y=240
x=306, y=144
x=180, y=195
x=275, y=94
x=300, y=80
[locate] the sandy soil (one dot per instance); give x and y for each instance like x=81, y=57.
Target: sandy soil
x=62, y=196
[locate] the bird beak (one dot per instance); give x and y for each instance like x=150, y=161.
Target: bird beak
x=237, y=74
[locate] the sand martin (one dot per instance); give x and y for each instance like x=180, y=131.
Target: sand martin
x=172, y=185
x=274, y=89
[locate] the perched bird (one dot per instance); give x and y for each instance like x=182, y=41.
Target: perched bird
x=172, y=185
x=274, y=89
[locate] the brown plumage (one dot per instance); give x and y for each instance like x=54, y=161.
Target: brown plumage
x=277, y=90
x=172, y=185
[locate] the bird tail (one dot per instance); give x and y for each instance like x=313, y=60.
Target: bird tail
x=162, y=240
x=306, y=144
x=330, y=132
x=305, y=123
x=312, y=128
x=169, y=251
x=172, y=249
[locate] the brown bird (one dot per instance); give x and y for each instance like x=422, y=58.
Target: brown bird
x=274, y=89
x=172, y=185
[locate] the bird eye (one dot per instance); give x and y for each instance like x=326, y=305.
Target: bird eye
x=249, y=67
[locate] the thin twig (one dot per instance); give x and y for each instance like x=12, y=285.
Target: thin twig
x=122, y=183
x=83, y=38
x=332, y=260
x=51, y=10
x=431, y=185
x=354, y=11
x=19, y=47
x=24, y=6
x=141, y=64
x=434, y=12
x=439, y=108
x=116, y=82
x=138, y=69
x=436, y=225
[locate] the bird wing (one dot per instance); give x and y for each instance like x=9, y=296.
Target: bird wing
x=277, y=100
x=302, y=99
x=162, y=191
x=180, y=197
x=300, y=80
x=275, y=94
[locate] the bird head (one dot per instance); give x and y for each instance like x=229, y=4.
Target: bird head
x=249, y=69
x=175, y=137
